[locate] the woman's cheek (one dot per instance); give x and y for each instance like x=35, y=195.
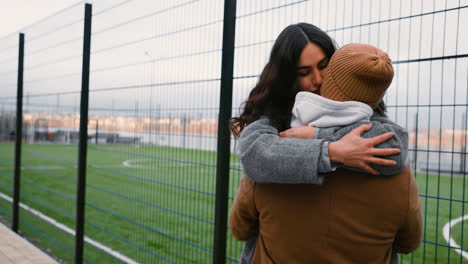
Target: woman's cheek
x=323, y=73
x=304, y=84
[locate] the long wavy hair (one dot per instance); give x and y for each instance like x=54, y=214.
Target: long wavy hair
x=273, y=95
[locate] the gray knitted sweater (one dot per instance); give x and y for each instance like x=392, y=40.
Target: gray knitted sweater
x=267, y=158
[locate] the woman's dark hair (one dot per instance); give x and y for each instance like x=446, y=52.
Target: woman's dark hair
x=273, y=95
x=381, y=108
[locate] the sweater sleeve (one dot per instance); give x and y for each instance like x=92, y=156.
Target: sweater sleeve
x=267, y=158
x=380, y=125
x=244, y=217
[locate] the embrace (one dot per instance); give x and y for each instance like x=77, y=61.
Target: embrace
x=326, y=172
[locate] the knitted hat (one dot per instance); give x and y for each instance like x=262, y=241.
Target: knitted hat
x=358, y=72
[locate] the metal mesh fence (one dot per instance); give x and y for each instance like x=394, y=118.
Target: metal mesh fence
x=7, y=124
x=7, y=127
x=154, y=95
x=153, y=118
x=51, y=85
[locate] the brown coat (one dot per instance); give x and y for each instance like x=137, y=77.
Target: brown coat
x=351, y=218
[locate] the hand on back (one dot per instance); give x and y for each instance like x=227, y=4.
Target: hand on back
x=355, y=151
x=351, y=150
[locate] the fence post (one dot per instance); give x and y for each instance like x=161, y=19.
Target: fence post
x=224, y=135
x=416, y=131
x=97, y=131
x=83, y=143
x=463, y=147
x=19, y=136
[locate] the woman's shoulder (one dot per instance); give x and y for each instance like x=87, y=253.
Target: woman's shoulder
x=262, y=125
x=263, y=121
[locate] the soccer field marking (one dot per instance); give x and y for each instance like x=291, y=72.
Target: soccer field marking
x=446, y=233
x=133, y=163
x=43, y=167
x=130, y=163
x=70, y=231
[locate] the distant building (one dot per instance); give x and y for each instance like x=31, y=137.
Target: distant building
x=71, y=136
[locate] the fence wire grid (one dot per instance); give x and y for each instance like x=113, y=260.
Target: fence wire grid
x=154, y=107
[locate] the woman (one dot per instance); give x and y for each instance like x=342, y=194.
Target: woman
x=298, y=62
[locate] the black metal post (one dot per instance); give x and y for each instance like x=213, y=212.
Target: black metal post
x=416, y=131
x=169, y=133
x=19, y=135
x=184, y=121
x=224, y=135
x=97, y=131
x=83, y=143
x=463, y=148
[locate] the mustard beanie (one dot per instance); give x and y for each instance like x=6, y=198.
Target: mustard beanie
x=358, y=72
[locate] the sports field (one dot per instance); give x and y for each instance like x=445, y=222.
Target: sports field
x=156, y=204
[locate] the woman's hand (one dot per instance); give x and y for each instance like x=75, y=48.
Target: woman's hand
x=355, y=151
x=299, y=132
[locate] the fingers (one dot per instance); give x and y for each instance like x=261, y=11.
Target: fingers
x=369, y=169
x=384, y=152
x=380, y=161
x=287, y=133
x=299, y=132
x=361, y=129
x=381, y=138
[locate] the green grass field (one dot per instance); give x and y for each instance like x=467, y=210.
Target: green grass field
x=156, y=204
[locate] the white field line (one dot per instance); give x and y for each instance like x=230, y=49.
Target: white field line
x=133, y=163
x=129, y=163
x=446, y=233
x=36, y=168
x=70, y=231
x=60, y=167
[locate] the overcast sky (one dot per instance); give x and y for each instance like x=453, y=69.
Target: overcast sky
x=17, y=14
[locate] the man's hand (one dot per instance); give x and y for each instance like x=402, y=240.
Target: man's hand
x=299, y=132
